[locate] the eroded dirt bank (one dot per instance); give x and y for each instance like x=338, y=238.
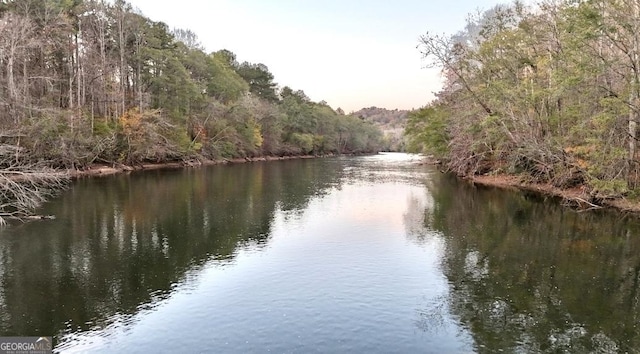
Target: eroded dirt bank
x=577, y=198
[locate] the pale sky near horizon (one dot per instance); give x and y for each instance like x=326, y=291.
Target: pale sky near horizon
x=352, y=54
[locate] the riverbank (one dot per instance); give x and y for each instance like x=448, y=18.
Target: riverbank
x=577, y=198
x=104, y=169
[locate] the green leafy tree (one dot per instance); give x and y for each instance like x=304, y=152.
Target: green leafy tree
x=427, y=131
x=223, y=82
x=260, y=80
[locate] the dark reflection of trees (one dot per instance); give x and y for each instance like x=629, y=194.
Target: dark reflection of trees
x=532, y=276
x=120, y=243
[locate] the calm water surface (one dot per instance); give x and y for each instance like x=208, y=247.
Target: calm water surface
x=370, y=254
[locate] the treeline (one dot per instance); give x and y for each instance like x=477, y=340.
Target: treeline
x=551, y=93
x=95, y=81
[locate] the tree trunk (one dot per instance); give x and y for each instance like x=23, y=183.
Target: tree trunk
x=634, y=100
x=123, y=76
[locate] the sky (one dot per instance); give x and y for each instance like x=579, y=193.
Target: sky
x=350, y=53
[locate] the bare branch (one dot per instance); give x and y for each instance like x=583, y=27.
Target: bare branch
x=24, y=186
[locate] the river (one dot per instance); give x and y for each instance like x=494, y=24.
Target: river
x=374, y=254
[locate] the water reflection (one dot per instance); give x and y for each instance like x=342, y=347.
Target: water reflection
x=335, y=255
x=120, y=243
x=352, y=269
x=414, y=219
x=531, y=276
